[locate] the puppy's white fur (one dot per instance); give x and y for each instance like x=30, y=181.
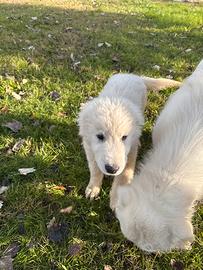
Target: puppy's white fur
x=155, y=210
x=116, y=112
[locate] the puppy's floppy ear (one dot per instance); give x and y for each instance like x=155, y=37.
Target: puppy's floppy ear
x=125, y=195
x=84, y=115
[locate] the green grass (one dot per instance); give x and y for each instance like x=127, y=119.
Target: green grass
x=142, y=34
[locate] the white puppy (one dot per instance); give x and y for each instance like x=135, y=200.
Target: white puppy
x=155, y=210
x=110, y=126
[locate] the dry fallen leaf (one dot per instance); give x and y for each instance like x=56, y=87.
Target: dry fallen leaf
x=55, y=96
x=6, y=263
x=59, y=187
x=100, y=44
x=5, y=109
x=176, y=265
x=108, y=44
x=188, y=50
x=115, y=59
x=156, y=67
x=116, y=22
x=51, y=223
x=31, y=48
x=24, y=81
x=67, y=29
x=72, y=57
x=76, y=64
x=62, y=114
x=15, y=126
x=66, y=210
x=17, y=146
x=12, y=250
x=16, y=96
x=57, y=232
x=3, y=189
x=25, y=171
x=74, y=249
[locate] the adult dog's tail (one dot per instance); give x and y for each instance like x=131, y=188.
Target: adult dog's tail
x=161, y=83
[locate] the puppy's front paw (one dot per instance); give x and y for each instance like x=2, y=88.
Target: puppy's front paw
x=92, y=192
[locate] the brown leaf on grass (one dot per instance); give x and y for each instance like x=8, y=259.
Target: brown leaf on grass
x=176, y=265
x=62, y=114
x=74, y=249
x=59, y=187
x=66, y=210
x=15, y=126
x=5, y=109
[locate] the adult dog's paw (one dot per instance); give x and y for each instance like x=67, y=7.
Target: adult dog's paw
x=92, y=192
x=112, y=204
x=113, y=200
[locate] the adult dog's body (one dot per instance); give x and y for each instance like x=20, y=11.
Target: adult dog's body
x=155, y=210
x=110, y=126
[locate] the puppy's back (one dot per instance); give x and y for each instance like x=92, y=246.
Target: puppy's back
x=127, y=86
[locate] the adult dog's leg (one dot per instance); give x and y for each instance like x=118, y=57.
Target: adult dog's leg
x=96, y=176
x=126, y=176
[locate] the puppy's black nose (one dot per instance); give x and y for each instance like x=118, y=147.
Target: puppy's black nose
x=111, y=169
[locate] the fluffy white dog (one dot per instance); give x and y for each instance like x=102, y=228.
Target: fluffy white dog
x=155, y=210
x=110, y=126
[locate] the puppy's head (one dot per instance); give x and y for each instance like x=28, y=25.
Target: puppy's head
x=148, y=226
x=110, y=127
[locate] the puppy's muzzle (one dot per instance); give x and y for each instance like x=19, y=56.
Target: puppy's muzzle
x=111, y=169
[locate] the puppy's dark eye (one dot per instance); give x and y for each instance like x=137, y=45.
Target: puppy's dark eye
x=100, y=137
x=124, y=138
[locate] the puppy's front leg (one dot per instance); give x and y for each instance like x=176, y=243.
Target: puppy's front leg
x=125, y=177
x=96, y=176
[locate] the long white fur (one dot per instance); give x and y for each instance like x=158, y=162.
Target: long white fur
x=116, y=112
x=156, y=209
